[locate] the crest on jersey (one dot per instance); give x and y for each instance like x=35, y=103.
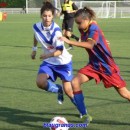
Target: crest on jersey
x=48, y=34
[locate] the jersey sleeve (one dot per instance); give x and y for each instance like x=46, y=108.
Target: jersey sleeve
x=93, y=34
x=58, y=43
x=35, y=34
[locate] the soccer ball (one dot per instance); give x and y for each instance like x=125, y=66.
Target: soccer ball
x=59, y=123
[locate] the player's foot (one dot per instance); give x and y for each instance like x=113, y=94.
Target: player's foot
x=60, y=94
x=86, y=119
x=80, y=115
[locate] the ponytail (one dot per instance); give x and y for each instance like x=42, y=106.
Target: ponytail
x=86, y=12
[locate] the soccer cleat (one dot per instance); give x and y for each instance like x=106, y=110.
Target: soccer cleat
x=86, y=119
x=60, y=94
x=80, y=115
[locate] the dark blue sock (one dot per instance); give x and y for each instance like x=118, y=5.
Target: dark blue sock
x=79, y=99
x=73, y=101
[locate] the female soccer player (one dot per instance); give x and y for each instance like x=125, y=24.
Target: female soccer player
x=101, y=66
x=56, y=59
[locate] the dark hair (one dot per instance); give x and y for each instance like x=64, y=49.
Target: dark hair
x=67, y=1
x=47, y=6
x=86, y=12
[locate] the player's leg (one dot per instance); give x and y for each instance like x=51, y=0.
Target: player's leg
x=65, y=73
x=64, y=31
x=67, y=88
x=70, y=24
x=79, y=97
x=68, y=35
x=44, y=83
x=45, y=80
x=118, y=82
x=41, y=81
x=68, y=27
x=64, y=28
x=68, y=91
x=124, y=92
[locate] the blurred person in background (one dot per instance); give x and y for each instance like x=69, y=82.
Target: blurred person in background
x=68, y=10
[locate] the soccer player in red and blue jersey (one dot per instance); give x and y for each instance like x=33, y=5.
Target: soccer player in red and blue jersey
x=101, y=66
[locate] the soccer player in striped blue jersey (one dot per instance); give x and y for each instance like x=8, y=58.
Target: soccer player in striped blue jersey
x=57, y=62
x=101, y=66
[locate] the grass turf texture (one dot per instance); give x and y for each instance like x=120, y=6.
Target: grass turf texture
x=25, y=107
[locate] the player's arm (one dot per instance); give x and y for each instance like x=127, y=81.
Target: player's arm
x=87, y=44
x=34, y=48
x=59, y=47
x=53, y=54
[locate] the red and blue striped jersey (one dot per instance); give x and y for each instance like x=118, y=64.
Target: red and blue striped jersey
x=100, y=56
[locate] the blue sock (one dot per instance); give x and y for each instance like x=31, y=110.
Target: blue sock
x=79, y=98
x=73, y=101
x=52, y=87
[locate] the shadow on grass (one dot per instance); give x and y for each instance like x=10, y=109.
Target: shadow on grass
x=20, y=117
x=22, y=89
x=18, y=68
x=28, y=119
x=110, y=122
x=6, y=45
x=87, y=97
x=125, y=58
x=106, y=99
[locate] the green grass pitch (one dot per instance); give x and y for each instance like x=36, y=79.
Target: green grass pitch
x=25, y=107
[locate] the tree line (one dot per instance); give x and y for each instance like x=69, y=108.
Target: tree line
x=22, y=3
x=12, y=3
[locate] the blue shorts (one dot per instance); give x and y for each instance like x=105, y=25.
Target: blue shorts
x=64, y=72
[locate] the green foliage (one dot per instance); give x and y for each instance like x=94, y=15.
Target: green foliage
x=15, y=3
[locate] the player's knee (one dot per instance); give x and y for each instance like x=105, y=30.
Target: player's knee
x=69, y=93
x=75, y=85
x=68, y=34
x=128, y=96
x=40, y=84
x=124, y=92
x=75, y=82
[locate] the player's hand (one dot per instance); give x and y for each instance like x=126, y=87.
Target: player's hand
x=33, y=55
x=64, y=39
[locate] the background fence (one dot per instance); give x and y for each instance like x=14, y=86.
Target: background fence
x=103, y=9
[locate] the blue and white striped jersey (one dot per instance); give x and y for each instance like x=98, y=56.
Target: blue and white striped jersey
x=48, y=37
